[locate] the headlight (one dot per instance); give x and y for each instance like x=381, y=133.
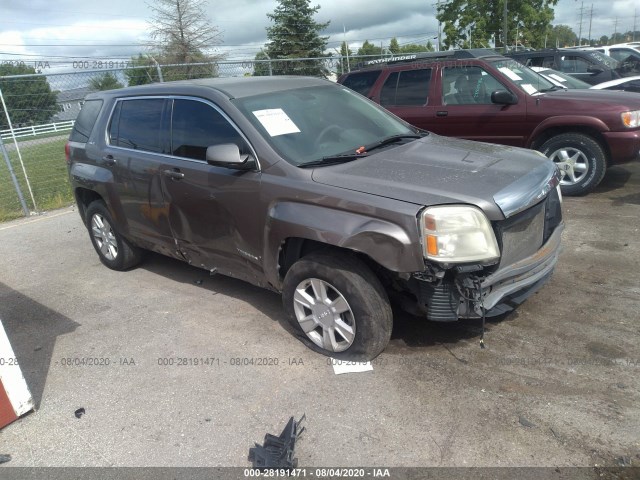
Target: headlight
x=631, y=119
x=457, y=234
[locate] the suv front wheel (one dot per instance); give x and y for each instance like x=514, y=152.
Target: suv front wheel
x=337, y=306
x=113, y=249
x=581, y=161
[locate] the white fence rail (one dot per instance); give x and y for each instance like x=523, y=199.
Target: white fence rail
x=35, y=130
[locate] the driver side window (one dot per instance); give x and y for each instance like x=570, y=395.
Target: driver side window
x=196, y=125
x=468, y=86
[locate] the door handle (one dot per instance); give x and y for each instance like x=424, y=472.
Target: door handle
x=174, y=174
x=109, y=160
x=442, y=113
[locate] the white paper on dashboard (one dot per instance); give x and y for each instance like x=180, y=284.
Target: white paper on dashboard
x=512, y=75
x=276, y=121
x=556, y=77
x=530, y=89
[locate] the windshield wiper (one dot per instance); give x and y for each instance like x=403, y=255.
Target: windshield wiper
x=552, y=88
x=388, y=140
x=360, y=152
x=333, y=159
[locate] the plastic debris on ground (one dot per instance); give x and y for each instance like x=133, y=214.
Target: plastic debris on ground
x=278, y=452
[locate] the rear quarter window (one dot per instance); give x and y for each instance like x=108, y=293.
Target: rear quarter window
x=362, y=82
x=137, y=124
x=85, y=121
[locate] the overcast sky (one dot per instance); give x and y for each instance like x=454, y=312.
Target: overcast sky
x=69, y=29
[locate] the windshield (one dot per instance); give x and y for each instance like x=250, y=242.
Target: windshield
x=308, y=124
x=605, y=59
x=525, y=78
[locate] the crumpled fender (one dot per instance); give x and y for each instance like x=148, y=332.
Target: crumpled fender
x=391, y=245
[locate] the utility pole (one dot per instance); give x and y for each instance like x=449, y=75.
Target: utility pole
x=580, y=31
x=344, y=32
x=439, y=25
x=635, y=16
x=504, y=28
x=590, y=20
x=615, y=29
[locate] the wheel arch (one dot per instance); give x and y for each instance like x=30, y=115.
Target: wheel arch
x=546, y=134
x=84, y=197
x=295, y=230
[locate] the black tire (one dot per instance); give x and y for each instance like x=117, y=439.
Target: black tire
x=116, y=252
x=370, y=312
x=590, y=156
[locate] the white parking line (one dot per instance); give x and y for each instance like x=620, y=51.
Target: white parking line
x=44, y=217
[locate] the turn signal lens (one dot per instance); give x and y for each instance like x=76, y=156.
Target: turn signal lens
x=631, y=119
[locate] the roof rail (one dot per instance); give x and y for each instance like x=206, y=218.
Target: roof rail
x=411, y=57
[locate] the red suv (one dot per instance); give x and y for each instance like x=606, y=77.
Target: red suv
x=481, y=95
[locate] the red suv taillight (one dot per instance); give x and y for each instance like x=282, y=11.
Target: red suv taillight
x=66, y=152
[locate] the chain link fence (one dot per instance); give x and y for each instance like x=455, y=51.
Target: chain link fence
x=38, y=112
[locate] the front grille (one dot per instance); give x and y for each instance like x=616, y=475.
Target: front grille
x=523, y=234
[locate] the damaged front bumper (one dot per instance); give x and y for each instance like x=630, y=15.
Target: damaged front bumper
x=467, y=295
x=508, y=287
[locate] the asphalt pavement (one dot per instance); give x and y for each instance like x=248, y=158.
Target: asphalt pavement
x=177, y=368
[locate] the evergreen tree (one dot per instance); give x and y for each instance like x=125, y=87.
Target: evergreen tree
x=394, y=46
x=295, y=34
x=261, y=69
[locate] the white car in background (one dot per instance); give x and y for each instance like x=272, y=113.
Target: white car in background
x=627, y=84
x=628, y=54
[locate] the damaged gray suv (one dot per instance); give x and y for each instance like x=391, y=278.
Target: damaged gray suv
x=306, y=188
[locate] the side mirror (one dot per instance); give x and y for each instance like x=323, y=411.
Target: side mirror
x=503, y=97
x=228, y=155
x=594, y=69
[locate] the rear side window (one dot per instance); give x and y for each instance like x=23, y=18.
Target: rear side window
x=574, y=64
x=85, y=121
x=196, y=125
x=137, y=124
x=361, y=82
x=409, y=87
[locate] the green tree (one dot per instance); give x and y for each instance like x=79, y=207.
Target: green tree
x=107, y=81
x=30, y=100
x=416, y=48
x=369, y=48
x=182, y=34
x=343, y=67
x=476, y=22
x=295, y=34
x=261, y=69
x=561, y=36
x=140, y=75
x=394, y=46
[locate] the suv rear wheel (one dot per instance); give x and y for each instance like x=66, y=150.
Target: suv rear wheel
x=580, y=159
x=113, y=249
x=337, y=306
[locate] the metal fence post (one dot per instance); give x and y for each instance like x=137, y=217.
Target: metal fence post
x=25, y=209
x=15, y=141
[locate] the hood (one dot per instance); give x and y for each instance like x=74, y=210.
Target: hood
x=586, y=99
x=438, y=170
